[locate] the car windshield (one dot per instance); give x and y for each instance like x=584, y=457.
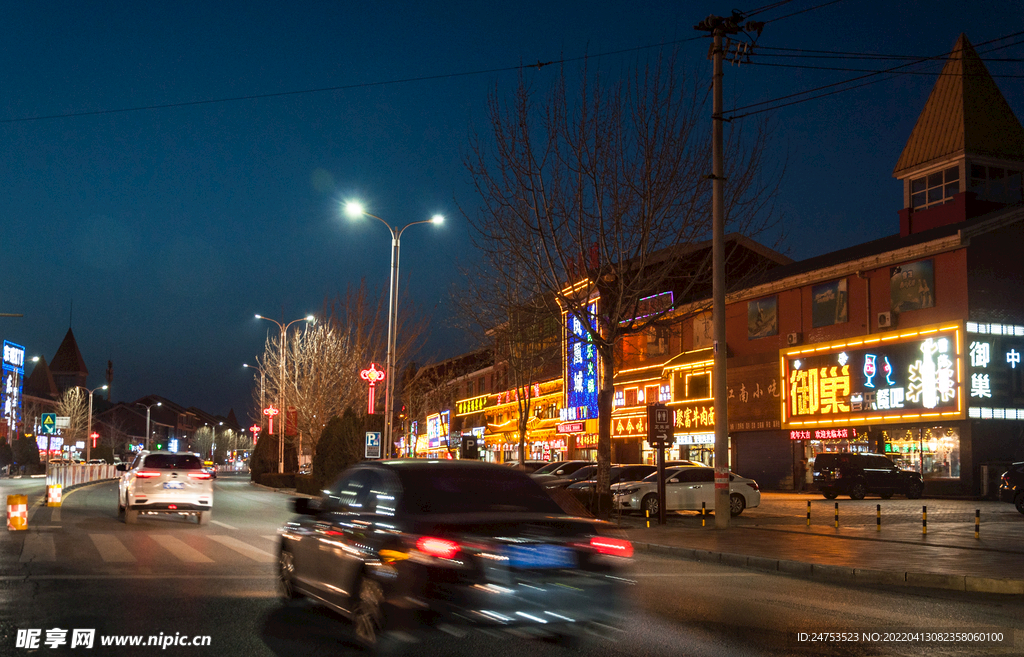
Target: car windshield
x=549, y=468
x=668, y=473
x=585, y=473
x=452, y=489
x=173, y=462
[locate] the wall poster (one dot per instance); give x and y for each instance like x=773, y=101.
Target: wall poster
x=762, y=318
x=828, y=303
x=912, y=286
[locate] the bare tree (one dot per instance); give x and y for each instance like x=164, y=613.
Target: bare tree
x=600, y=199
x=74, y=404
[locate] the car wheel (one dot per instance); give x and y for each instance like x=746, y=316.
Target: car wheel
x=858, y=491
x=131, y=516
x=285, y=575
x=736, y=504
x=649, y=504
x=368, y=619
x=204, y=517
x=914, y=490
x=829, y=494
x=1019, y=502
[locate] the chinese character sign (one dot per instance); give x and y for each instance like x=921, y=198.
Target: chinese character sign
x=893, y=376
x=995, y=376
x=581, y=385
x=10, y=394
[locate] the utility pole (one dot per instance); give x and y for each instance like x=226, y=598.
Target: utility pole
x=719, y=27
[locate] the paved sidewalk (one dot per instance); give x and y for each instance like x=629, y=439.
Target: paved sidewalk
x=775, y=538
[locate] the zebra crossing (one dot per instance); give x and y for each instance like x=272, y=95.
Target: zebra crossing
x=147, y=548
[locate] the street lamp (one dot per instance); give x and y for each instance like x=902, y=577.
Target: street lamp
x=280, y=385
x=148, y=408
x=213, y=439
x=88, y=432
x=260, y=370
x=354, y=209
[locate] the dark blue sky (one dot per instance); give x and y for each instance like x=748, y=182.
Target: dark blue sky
x=169, y=228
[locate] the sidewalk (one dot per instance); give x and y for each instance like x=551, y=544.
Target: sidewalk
x=774, y=538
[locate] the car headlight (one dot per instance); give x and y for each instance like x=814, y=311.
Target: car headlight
x=626, y=491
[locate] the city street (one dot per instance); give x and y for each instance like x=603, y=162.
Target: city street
x=79, y=567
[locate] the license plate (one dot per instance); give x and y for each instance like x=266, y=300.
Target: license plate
x=540, y=556
x=174, y=484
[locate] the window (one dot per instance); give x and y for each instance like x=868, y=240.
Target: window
x=651, y=394
x=935, y=188
x=631, y=397
x=620, y=398
x=996, y=183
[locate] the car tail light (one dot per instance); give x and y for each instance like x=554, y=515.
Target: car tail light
x=147, y=474
x=753, y=484
x=441, y=548
x=172, y=506
x=618, y=547
x=199, y=475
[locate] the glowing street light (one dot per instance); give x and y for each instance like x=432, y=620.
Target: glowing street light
x=280, y=384
x=355, y=210
x=148, y=408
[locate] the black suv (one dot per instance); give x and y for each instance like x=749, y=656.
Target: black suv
x=1012, y=487
x=857, y=475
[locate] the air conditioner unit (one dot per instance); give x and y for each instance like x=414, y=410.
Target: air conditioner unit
x=793, y=339
x=886, y=319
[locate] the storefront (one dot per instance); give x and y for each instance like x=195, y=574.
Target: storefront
x=899, y=393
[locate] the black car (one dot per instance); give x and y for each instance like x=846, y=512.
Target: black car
x=617, y=474
x=858, y=475
x=1011, y=489
x=401, y=546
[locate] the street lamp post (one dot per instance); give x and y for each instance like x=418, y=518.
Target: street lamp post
x=280, y=384
x=260, y=369
x=148, y=408
x=354, y=209
x=88, y=431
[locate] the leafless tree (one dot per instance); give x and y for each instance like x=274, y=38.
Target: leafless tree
x=74, y=404
x=601, y=196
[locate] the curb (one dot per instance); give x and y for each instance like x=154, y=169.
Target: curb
x=843, y=574
x=291, y=492
x=70, y=489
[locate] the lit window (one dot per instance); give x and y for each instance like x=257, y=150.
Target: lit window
x=620, y=398
x=935, y=188
x=631, y=397
x=666, y=393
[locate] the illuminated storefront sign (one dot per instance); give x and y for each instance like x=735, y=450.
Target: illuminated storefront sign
x=13, y=373
x=695, y=438
x=823, y=434
x=571, y=427
x=474, y=405
x=694, y=417
x=587, y=440
x=901, y=375
x=629, y=427
x=580, y=368
x=995, y=375
x=433, y=431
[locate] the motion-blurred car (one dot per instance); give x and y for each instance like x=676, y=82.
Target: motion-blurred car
x=165, y=483
x=210, y=467
x=411, y=545
x=1011, y=487
x=685, y=489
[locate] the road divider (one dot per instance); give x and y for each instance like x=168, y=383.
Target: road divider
x=17, y=512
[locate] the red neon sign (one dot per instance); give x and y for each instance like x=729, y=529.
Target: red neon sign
x=94, y=437
x=373, y=375
x=270, y=412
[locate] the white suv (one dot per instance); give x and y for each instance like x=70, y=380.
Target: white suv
x=165, y=482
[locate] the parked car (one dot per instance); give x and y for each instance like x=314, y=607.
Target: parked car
x=857, y=475
x=685, y=489
x=531, y=466
x=1011, y=488
x=165, y=483
x=562, y=481
x=97, y=462
x=562, y=468
x=549, y=466
x=412, y=545
x=617, y=475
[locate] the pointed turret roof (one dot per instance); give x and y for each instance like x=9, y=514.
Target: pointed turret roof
x=40, y=382
x=68, y=358
x=965, y=114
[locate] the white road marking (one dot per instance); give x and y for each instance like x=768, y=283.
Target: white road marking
x=179, y=549
x=38, y=547
x=111, y=549
x=222, y=524
x=245, y=549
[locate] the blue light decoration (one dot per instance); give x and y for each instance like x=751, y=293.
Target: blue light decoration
x=580, y=368
x=10, y=394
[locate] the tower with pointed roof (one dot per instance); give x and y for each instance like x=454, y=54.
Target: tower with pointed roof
x=965, y=155
x=68, y=366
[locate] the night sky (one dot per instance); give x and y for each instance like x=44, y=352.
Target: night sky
x=169, y=228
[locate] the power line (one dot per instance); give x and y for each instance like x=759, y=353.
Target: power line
x=895, y=70
x=869, y=70
x=795, y=13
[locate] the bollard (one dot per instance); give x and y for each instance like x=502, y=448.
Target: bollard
x=977, y=523
x=647, y=514
x=53, y=495
x=17, y=512
x=837, y=515
x=924, y=519
x=878, y=517
x=703, y=511
x=808, y=513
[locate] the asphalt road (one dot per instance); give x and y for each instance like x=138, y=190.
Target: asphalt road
x=81, y=568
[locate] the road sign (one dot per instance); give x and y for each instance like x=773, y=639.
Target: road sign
x=659, y=424
x=63, y=421
x=49, y=422
x=373, y=444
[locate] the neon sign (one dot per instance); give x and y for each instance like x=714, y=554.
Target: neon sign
x=255, y=429
x=580, y=367
x=10, y=394
x=373, y=375
x=270, y=412
x=994, y=383
x=900, y=375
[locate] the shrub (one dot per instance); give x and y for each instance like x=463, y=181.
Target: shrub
x=340, y=446
x=306, y=484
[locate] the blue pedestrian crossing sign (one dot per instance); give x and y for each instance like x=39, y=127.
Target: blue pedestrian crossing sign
x=49, y=422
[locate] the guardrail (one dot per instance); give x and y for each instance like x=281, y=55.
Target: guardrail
x=67, y=476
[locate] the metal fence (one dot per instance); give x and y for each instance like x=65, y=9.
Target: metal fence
x=67, y=476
